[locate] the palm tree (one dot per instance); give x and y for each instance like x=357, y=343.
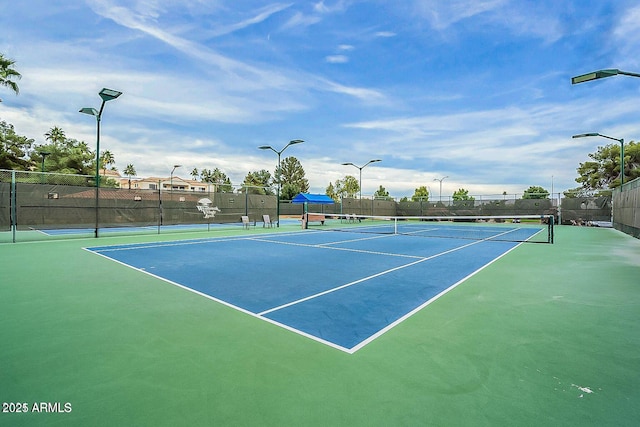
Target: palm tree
x=106, y=159
x=7, y=74
x=55, y=135
x=195, y=173
x=130, y=171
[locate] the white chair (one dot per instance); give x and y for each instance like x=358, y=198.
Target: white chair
x=266, y=221
x=246, y=223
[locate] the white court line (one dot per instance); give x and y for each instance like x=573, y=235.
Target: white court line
x=170, y=243
x=333, y=248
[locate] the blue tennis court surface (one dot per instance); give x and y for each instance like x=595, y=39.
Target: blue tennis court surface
x=342, y=289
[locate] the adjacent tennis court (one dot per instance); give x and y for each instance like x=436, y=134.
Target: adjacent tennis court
x=340, y=288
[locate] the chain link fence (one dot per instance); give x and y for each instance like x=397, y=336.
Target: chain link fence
x=40, y=202
x=49, y=205
x=626, y=208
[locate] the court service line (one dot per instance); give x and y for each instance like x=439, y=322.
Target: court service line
x=337, y=242
x=382, y=273
x=170, y=243
x=333, y=248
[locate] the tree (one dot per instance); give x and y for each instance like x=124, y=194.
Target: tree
x=8, y=74
x=130, y=171
x=55, y=135
x=421, y=193
x=534, y=192
x=331, y=192
x=603, y=171
x=462, y=194
x=68, y=155
x=222, y=181
x=381, y=193
x=14, y=149
x=195, y=173
x=258, y=182
x=107, y=159
x=347, y=187
x=292, y=178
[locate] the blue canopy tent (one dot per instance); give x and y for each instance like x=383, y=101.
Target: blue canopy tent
x=316, y=199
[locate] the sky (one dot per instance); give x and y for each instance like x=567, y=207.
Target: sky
x=477, y=91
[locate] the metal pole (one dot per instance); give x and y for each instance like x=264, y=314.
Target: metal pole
x=621, y=162
x=13, y=199
x=441, y=179
x=106, y=95
x=278, y=174
x=98, y=171
x=278, y=190
x=360, y=204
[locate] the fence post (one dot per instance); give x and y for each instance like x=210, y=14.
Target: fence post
x=159, y=205
x=12, y=201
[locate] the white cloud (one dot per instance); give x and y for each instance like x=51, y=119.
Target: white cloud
x=627, y=37
x=321, y=7
x=538, y=19
x=337, y=59
x=299, y=19
x=364, y=94
x=442, y=15
x=264, y=14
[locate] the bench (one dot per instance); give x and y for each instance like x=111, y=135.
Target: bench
x=316, y=217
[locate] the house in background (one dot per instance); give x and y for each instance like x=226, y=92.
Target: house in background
x=167, y=184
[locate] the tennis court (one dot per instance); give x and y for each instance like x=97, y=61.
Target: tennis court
x=307, y=327
x=339, y=288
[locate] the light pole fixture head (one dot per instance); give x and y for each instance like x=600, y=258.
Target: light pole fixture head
x=90, y=111
x=265, y=147
x=600, y=74
x=296, y=141
x=109, y=94
x=348, y=164
x=584, y=135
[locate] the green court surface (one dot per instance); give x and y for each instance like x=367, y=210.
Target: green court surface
x=546, y=335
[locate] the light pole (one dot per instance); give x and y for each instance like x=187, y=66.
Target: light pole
x=268, y=147
x=600, y=74
x=43, y=154
x=106, y=95
x=171, y=179
x=361, y=167
x=441, y=179
x=621, y=141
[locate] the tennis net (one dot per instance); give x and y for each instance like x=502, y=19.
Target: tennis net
x=520, y=228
